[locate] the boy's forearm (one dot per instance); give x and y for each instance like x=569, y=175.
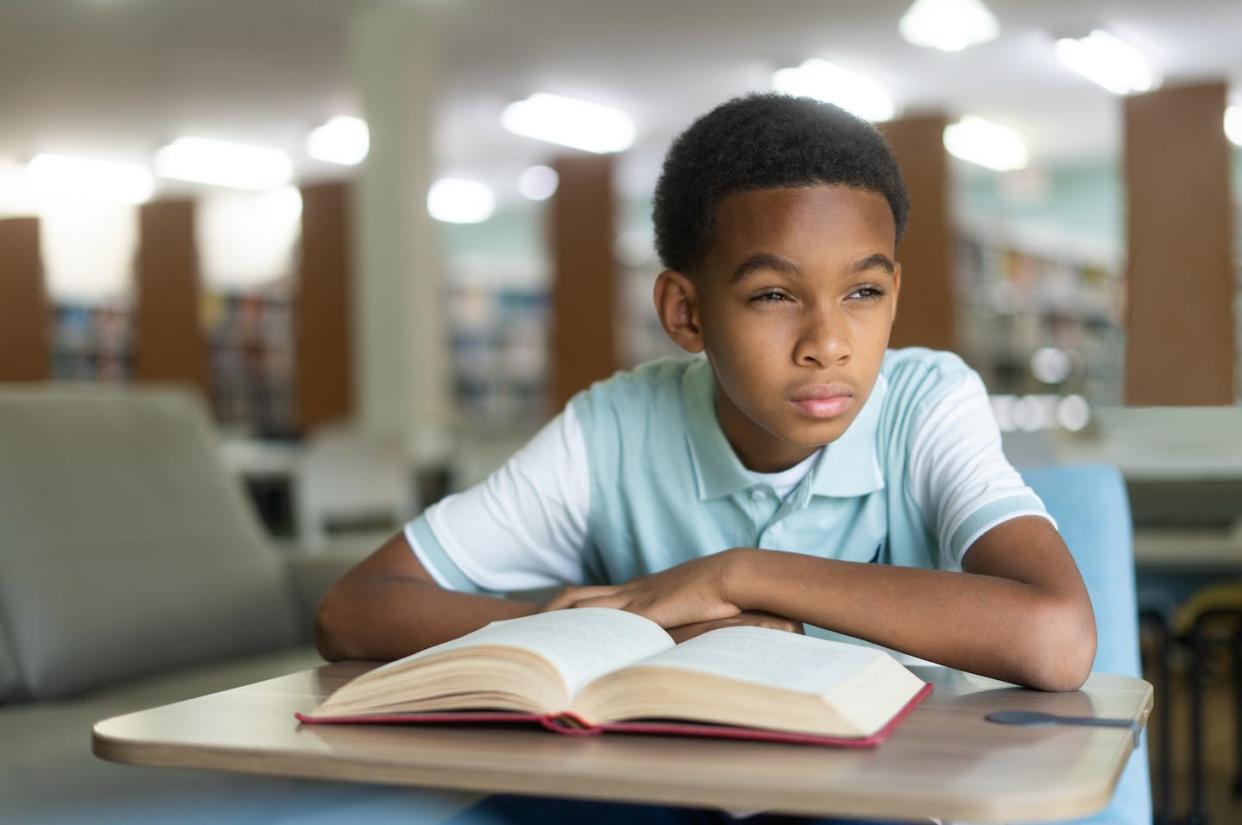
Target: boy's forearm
x=983, y=624
x=372, y=617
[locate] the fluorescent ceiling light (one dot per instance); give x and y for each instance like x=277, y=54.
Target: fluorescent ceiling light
x=17, y=193
x=1107, y=61
x=247, y=239
x=565, y=121
x=88, y=249
x=538, y=183
x=1233, y=124
x=61, y=177
x=986, y=143
x=224, y=163
x=344, y=140
x=856, y=93
x=948, y=25
x=457, y=200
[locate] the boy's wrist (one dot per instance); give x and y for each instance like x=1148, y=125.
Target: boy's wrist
x=739, y=576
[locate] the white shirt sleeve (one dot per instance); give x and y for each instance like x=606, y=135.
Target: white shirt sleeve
x=521, y=528
x=959, y=476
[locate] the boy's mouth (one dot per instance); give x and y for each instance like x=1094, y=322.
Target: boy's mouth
x=823, y=400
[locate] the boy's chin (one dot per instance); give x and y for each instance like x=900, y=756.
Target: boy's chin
x=814, y=436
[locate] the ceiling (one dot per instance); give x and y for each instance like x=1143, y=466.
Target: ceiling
x=117, y=78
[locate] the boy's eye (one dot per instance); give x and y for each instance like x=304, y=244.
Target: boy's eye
x=770, y=297
x=867, y=293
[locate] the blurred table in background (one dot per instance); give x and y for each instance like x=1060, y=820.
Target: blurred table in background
x=269, y=471
x=1183, y=472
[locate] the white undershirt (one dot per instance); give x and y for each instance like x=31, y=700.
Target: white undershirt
x=784, y=481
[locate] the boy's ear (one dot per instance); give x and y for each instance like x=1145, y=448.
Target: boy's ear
x=677, y=304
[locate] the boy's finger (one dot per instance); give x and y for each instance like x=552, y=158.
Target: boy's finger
x=571, y=595
x=609, y=600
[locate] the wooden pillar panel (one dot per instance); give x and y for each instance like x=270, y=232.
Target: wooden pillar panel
x=25, y=350
x=584, y=303
x=1180, y=346
x=169, y=336
x=323, y=351
x=925, y=313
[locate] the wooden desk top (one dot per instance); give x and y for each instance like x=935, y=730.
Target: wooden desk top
x=944, y=760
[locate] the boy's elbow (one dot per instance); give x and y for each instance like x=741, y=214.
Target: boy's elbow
x=1062, y=647
x=329, y=639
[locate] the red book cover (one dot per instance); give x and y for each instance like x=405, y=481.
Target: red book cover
x=568, y=723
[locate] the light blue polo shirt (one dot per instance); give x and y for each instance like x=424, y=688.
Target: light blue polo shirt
x=666, y=487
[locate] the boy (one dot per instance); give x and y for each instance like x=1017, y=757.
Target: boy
x=799, y=473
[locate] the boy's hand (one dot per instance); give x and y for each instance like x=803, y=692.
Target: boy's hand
x=750, y=618
x=690, y=593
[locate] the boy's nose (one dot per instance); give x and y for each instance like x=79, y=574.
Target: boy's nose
x=824, y=341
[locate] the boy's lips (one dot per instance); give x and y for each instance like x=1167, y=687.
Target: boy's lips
x=823, y=400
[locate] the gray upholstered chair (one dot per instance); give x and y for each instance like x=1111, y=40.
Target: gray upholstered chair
x=134, y=573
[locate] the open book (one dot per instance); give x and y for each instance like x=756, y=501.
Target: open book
x=593, y=669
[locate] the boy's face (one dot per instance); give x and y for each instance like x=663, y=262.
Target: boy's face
x=793, y=305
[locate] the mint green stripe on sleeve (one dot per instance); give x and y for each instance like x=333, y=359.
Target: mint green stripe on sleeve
x=994, y=512
x=432, y=553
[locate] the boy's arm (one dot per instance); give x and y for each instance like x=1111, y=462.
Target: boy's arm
x=1019, y=612
x=388, y=606
x=521, y=528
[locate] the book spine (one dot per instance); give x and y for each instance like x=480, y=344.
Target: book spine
x=437, y=717
x=570, y=723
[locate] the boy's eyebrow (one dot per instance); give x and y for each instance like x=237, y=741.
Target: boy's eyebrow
x=767, y=260
x=878, y=259
x=763, y=260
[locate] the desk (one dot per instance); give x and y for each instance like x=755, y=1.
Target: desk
x=944, y=760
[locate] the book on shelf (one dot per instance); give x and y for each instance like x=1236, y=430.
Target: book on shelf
x=594, y=670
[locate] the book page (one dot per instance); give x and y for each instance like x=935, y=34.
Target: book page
x=765, y=656
x=581, y=643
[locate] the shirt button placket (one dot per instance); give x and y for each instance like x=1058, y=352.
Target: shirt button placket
x=761, y=513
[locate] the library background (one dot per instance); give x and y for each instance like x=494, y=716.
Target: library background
x=355, y=233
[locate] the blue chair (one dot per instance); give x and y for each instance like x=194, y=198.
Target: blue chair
x=1092, y=511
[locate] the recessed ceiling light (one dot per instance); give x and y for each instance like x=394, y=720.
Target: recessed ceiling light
x=986, y=143
x=344, y=140
x=948, y=25
x=853, y=91
x=566, y=121
x=538, y=183
x=224, y=163
x=458, y=200
x=1107, y=61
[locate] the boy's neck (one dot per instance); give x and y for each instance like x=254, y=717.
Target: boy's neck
x=758, y=450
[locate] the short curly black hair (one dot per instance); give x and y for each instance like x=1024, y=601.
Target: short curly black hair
x=764, y=141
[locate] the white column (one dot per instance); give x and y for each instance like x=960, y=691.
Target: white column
x=401, y=369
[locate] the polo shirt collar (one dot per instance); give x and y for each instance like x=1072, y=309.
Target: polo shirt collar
x=847, y=467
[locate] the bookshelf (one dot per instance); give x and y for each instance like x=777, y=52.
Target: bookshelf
x=498, y=333
x=92, y=342
x=250, y=341
x=641, y=336
x=1018, y=295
